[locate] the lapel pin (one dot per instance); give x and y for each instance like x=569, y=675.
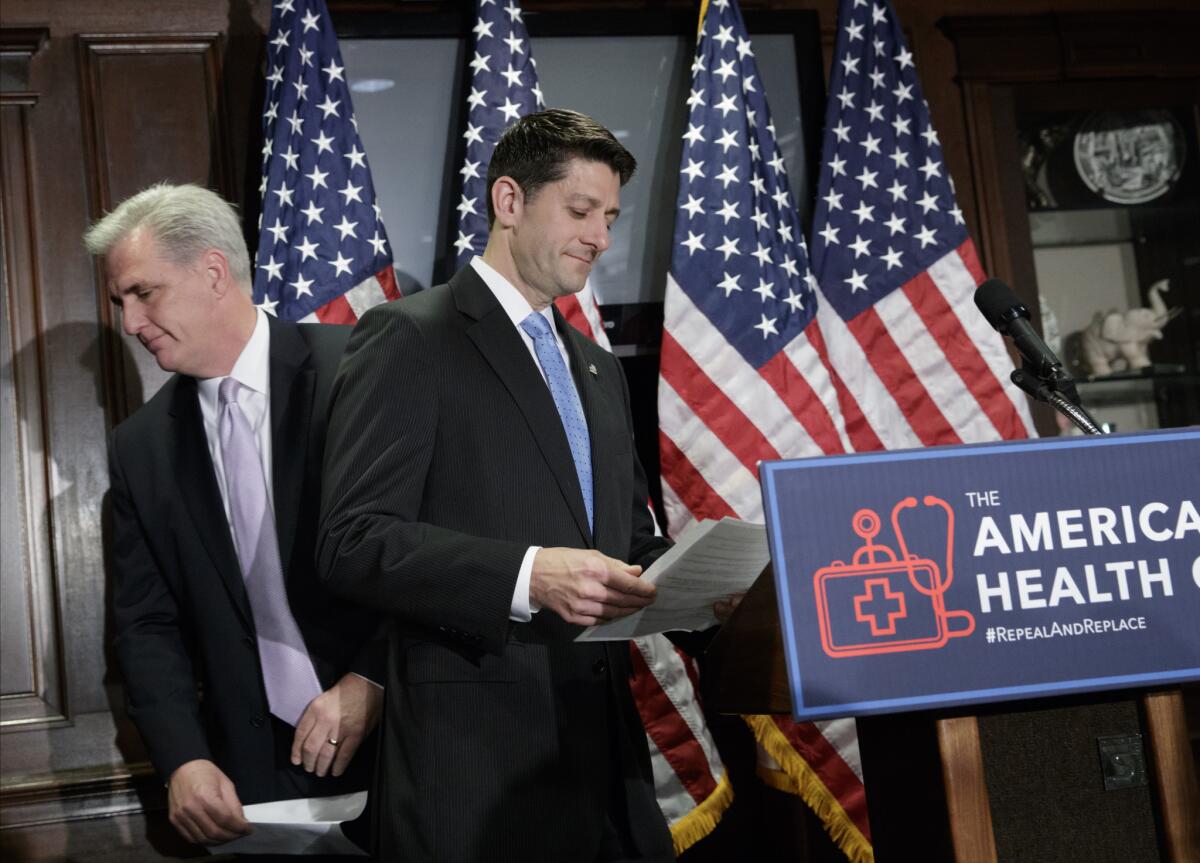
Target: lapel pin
x=592, y=369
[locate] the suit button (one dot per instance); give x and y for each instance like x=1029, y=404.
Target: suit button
x=256, y=721
x=599, y=667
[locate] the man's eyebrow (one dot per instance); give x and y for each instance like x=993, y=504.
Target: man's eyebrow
x=125, y=291
x=578, y=198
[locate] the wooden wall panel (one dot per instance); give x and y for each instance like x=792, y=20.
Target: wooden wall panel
x=115, y=99
x=31, y=683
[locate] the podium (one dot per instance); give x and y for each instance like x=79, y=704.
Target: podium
x=745, y=673
x=1083, y=756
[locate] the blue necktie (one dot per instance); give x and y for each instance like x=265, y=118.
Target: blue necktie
x=566, y=399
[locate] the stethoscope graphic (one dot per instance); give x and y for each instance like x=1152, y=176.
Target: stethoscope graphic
x=873, y=561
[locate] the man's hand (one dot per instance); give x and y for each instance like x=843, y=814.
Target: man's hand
x=203, y=805
x=345, y=713
x=724, y=608
x=587, y=587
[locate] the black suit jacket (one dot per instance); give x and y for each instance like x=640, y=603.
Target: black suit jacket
x=180, y=606
x=447, y=459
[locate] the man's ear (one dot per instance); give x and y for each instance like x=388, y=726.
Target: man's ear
x=216, y=268
x=508, y=200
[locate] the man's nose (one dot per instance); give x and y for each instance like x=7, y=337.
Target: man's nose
x=597, y=234
x=132, y=320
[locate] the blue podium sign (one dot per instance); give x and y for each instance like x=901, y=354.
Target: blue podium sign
x=964, y=574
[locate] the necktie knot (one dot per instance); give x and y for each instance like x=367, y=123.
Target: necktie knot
x=227, y=392
x=536, y=325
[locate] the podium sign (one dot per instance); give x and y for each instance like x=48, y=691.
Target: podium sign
x=964, y=574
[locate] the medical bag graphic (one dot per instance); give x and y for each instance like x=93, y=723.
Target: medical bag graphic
x=884, y=602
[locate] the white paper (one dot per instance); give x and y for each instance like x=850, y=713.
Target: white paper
x=309, y=825
x=711, y=560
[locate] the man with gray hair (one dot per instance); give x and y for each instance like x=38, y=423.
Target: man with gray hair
x=215, y=489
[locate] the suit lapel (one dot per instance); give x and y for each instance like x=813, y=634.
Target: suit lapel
x=502, y=347
x=198, y=489
x=292, y=384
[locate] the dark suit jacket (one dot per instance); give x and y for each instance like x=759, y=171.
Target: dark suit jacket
x=446, y=461
x=179, y=602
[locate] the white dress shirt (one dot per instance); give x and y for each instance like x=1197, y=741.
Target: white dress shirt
x=517, y=308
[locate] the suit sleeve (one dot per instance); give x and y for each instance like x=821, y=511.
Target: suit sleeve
x=160, y=682
x=372, y=546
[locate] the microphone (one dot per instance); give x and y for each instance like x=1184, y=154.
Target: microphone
x=1008, y=315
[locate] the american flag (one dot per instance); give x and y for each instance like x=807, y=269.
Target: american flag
x=916, y=363
x=742, y=376
x=743, y=373
x=504, y=87
x=690, y=782
x=323, y=253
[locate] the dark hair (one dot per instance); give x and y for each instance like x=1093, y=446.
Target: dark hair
x=535, y=151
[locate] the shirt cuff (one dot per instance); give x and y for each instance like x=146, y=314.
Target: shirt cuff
x=523, y=608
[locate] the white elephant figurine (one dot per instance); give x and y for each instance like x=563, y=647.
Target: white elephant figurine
x=1117, y=341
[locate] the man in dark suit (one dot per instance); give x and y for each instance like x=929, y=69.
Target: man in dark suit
x=215, y=487
x=481, y=489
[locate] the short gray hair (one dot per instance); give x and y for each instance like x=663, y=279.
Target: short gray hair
x=185, y=220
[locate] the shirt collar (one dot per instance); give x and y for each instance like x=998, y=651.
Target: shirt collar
x=515, y=306
x=251, y=368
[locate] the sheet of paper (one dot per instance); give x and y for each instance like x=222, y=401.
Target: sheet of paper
x=711, y=560
x=310, y=825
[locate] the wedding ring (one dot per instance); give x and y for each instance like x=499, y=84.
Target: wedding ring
x=333, y=741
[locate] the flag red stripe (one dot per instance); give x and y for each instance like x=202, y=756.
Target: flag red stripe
x=337, y=311
x=572, y=310
x=691, y=488
x=833, y=771
x=670, y=733
x=709, y=402
x=858, y=429
x=808, y=409
x=970, y=259
x=964, y=355
x=387, y=281
x=902, y=382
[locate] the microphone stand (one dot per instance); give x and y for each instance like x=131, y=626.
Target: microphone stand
x=1056, y=388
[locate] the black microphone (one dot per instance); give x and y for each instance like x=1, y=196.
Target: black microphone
x=1007, y=314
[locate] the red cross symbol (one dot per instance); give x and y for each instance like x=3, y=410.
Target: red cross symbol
x=877, y=606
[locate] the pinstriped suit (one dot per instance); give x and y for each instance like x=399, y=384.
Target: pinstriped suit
x=446, y=459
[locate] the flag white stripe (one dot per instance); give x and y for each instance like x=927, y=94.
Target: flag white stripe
x=672, y=676
x=932, y=368
x=952, y=277
x=678, y=515
x=842, y=735
x=721, y=469
x=805, y=359
x=873, y=397
x=365, y=294
x=591, y=311
x=737, y=379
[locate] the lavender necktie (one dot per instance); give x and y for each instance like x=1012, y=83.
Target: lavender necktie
x=288, y=673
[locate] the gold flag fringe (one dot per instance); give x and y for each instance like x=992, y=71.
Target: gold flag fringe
x=799, y=778
x=701, y=821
